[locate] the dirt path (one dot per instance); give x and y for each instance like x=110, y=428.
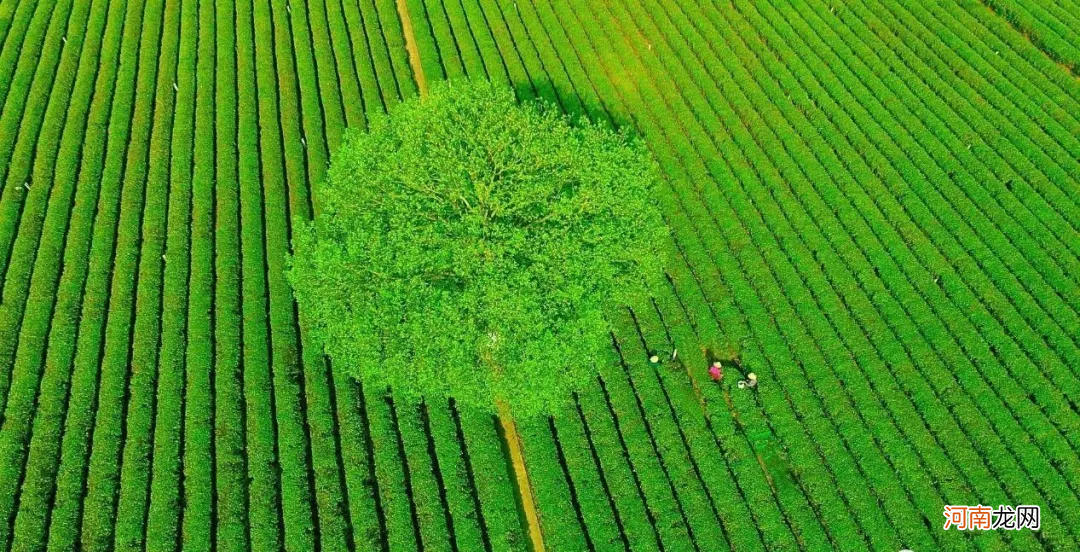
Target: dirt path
x=410, y=46
x=517, y=455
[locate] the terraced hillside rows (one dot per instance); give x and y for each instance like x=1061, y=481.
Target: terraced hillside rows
x=873, y=205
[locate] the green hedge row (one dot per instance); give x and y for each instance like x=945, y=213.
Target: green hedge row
x=1013, y=54
x=570, y=73
x=424, y=486
x=651, y=484
x=590, y=491
x=780, y=511
x=367, y=23
x=731, y=504
x=18, y=406
x=495, y=47
x=1045, y=313
x=987, y=259
x=329, y=486
x=293, y=106
x=437, y=51
x=36, y=139
x=557, y=507
x=649, y=132
x=364, y=64
x=163, y=516
x=1050, y=31
x=142, y=397
x=22, y=121
x=1014, y=79
x=524, y=49
x=264, y=490
x=976, y=357
x=837, y=516
x=457, y=25
x=319, y=98
x=126, y=365
x=351, y=95
x=397, y=57
x=283, y=194
x=633, y=374
x=198, y=461
x=230, y=474
x=498, y=68
x=457, y=475
x=356, y=453
x=494, y=481
x=391, y=474
x=430, y=61
x=14, y=15
x=505, y=44
x=28, y=33
x=317, y=70
x=96, y=64
x=837, y=274
x=991, y=323
x=619, y=471
x=1047, y=395
x=1022, y=201
x=103, y=168
x=842, y=330
x=897, y=318
x=22, y=23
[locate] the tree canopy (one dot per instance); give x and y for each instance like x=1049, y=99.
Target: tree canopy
x=469, y=246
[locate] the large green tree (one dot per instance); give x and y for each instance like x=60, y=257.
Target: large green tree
x=469, y=246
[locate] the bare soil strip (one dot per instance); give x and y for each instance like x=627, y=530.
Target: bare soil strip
x=517, y=457
x=410, y=45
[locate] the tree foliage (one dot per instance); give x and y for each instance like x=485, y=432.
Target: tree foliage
x=469, y=246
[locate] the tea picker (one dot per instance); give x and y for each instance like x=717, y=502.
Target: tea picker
x=656, y=358
x=750, y=381
x=716, y=371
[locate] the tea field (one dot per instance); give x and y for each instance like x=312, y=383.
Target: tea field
x=874, y=205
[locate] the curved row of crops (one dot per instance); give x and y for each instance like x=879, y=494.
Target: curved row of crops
x=1053, y=27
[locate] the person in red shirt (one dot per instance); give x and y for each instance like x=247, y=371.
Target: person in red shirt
x=716, y=371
